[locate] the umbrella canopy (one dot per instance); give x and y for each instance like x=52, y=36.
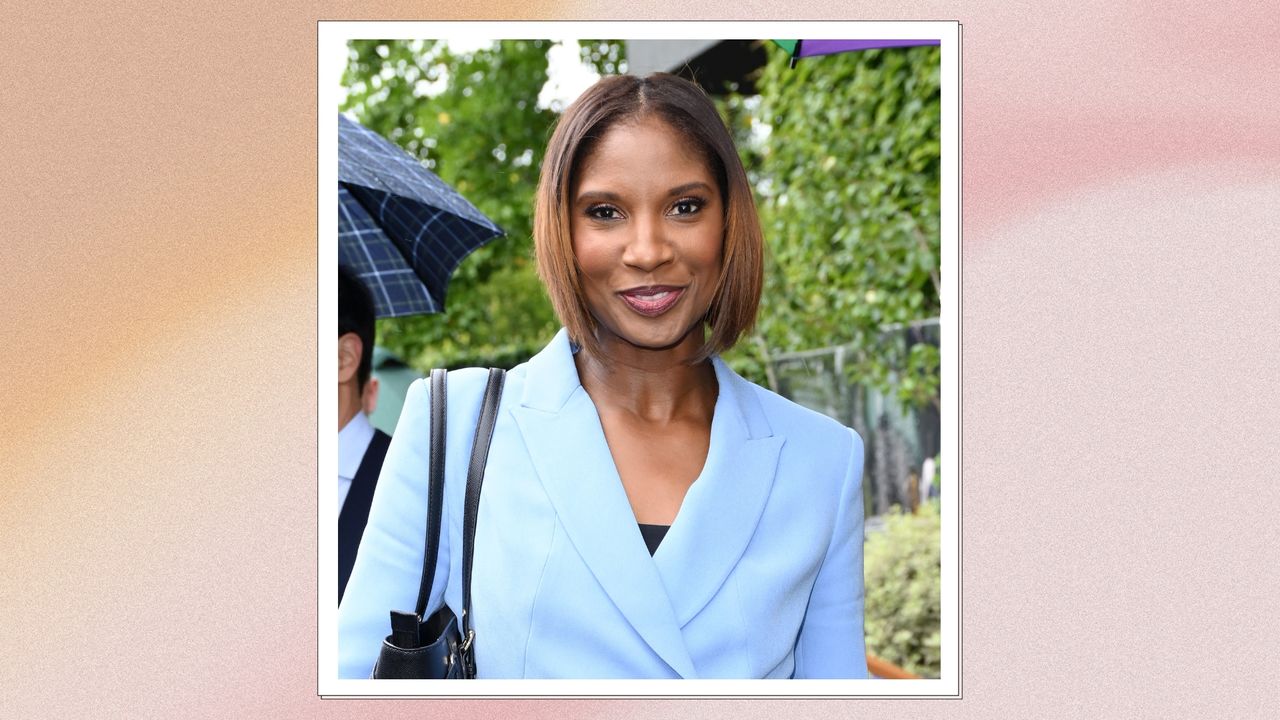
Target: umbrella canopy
x=401, y=229
x=809, y=48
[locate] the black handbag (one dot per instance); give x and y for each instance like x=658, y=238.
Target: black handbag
x=443, y=646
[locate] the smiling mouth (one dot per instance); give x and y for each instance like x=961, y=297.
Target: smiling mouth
x=652, y=301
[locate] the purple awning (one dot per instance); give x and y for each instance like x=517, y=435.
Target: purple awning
x=809, y=48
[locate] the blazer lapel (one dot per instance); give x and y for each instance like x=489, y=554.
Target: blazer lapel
x=566, y=443
x=721, y=509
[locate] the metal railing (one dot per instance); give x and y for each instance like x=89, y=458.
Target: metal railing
x=898, y=439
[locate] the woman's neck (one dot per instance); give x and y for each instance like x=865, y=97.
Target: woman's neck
x=652, y=385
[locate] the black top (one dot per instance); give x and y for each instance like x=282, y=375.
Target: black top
x=653, y=535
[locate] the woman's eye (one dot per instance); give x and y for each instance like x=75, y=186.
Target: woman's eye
x=687, y=206
x=602, y=212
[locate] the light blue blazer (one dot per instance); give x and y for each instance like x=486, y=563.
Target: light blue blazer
x=760, y=575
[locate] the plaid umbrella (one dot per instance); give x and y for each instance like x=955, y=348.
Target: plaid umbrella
x=401, y=229
x=809, y=48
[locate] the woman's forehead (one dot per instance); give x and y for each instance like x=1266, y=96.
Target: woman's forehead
x=649, y=145
x=644, y=129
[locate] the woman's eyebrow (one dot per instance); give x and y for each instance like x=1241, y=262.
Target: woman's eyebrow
x=689, y=187
x=595, y=195
x=607, y=196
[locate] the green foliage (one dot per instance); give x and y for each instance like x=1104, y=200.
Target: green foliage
x=902, y=569
x=607, y=57
x=849, y=187
x=484, y=134
x=918, y=385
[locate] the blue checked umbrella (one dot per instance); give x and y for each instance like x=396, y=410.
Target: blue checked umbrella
x=401, y=229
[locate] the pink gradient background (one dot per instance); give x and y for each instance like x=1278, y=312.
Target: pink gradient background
x=1121, y=205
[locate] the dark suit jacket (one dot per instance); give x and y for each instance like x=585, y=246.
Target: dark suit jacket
x=355, y=511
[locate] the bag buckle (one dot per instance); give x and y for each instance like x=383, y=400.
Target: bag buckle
x=466, y=655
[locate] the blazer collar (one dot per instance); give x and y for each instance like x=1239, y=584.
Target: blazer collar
x=722, y=508
x=658, y=595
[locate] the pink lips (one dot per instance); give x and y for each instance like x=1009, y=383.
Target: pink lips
x=653, y=300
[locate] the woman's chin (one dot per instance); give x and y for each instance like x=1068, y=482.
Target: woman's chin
x=655, y=344
x=656, y=338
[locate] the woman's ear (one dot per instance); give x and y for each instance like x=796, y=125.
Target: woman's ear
x=350, y=349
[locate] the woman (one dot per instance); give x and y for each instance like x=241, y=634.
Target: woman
x=646, y=512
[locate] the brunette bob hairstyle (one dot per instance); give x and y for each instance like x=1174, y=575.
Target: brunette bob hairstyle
x=687, y=109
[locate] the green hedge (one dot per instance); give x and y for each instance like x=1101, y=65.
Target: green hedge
x=849, y=182
x=904, y=590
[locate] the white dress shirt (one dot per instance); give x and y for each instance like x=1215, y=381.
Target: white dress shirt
x=353, y=441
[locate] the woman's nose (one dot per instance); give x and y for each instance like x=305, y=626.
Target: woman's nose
x=648, y=246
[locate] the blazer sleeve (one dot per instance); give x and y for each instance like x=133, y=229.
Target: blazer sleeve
x=831, y=643
x=388, y=567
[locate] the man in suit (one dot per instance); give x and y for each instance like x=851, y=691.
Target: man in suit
x=361, y=447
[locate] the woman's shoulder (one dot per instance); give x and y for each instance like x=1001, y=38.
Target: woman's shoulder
x=470, y=378
x=464, y=381
x=464, y=392
x=799, y=424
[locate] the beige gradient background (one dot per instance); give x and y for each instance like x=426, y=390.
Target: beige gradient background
x=1120, y=393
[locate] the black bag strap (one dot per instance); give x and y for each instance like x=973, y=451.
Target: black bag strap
x=435, y=490
x=475, y=479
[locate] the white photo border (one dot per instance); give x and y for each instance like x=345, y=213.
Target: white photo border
x=331, y=52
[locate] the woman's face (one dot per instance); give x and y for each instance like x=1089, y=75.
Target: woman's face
x=648, y=234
